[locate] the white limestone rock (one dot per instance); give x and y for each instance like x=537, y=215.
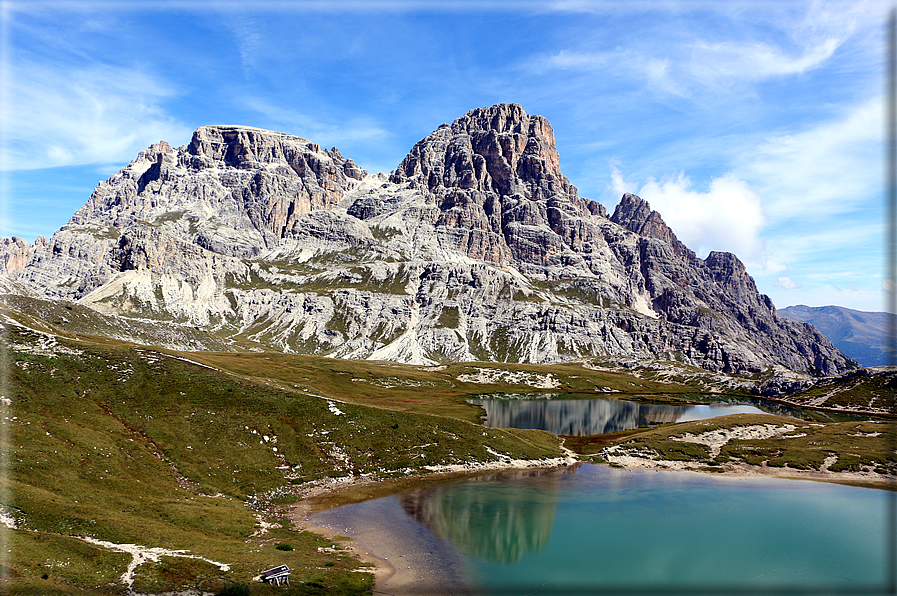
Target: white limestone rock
x=475, y=248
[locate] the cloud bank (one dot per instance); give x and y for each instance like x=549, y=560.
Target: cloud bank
x=727, y=216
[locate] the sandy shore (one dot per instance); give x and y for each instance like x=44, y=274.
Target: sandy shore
x=381, y=570
x=864, y=479
x=622, y=456
x=405, y=562
x=400, y=570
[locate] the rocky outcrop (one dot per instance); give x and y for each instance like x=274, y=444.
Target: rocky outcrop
x=495, y=175
x=476, y=248
x=15, y=254
x=166, y=277
x=234, y=189
x=636, y=215
x=72, y=263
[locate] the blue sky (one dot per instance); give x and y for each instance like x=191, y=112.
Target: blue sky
x=752, y=127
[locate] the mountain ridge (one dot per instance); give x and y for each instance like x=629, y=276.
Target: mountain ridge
x=476, y=247
x=862, y=335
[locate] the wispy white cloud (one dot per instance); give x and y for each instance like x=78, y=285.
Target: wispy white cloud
x=741, y=45
x=808, y=241
x=754, y=61
x=688, y=69
x=803, y=17
x=350, y=130
x=824, y=16
x=59, y=117
x=250, y=41
x=655, y=71
x=829, y=168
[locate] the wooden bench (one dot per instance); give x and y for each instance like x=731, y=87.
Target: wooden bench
x=277, y=575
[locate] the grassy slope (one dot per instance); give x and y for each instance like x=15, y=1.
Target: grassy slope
x=858, y=445
x=432, y=390
x=128, y=445
x=74, y=320
x=853, y=392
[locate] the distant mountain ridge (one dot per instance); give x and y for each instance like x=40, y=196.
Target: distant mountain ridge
x=864, y=336
x=476, y=247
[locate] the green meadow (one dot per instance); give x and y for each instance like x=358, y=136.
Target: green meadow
x=131, y=446
x=204, y=452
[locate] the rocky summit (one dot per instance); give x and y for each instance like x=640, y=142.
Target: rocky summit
x=476, y=247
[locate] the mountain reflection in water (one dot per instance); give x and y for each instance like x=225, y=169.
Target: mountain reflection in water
x=482, y=518
x=607, y=531
x=583, y=417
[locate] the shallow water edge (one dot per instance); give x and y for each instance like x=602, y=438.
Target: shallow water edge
x=414, y=560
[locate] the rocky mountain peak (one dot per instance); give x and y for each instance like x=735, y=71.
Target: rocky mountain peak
x=477, y=248
x=635, y=214
x=232, y=189
x=499, y=149
x=632, y=212
x=246, y=147
x=494, y=174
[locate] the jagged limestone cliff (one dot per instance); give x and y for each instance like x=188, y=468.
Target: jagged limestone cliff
x=476, y=248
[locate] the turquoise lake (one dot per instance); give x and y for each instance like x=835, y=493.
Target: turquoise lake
x=592, y=529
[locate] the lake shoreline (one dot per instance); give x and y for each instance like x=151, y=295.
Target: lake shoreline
x=742, y=470
x=334, y=492
x=329, y=493
x=380, y=568
x=652, y=451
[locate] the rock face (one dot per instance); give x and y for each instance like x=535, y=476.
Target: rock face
x=14, y=254
x=230, y=183
x=495, y=176
x=476, y=248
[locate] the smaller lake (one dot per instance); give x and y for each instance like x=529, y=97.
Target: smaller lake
x=584, y=417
